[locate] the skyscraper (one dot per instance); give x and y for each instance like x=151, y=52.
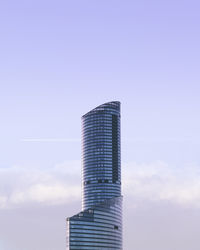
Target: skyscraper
x=99, y=224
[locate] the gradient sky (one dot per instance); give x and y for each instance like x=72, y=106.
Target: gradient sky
x=58, y=60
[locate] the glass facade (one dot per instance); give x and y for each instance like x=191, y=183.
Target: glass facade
x=99, y=224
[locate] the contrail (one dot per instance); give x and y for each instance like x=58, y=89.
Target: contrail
x=50, y=140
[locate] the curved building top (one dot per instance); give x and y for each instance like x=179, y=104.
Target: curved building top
x=115, y=105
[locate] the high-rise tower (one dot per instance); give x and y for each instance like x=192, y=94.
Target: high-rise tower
x=99, y=224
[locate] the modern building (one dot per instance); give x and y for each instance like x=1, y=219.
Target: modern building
x=99, y=224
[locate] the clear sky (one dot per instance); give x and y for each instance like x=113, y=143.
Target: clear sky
x=58, y=60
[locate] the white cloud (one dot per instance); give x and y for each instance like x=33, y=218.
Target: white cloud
x=159, y=181
x=56, y=185
x=51, y=193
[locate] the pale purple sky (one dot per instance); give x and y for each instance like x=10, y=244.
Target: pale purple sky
x=58, y=60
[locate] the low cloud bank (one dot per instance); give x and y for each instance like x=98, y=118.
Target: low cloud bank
x=159, y=181
x=61, y=184
x=22, y=185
